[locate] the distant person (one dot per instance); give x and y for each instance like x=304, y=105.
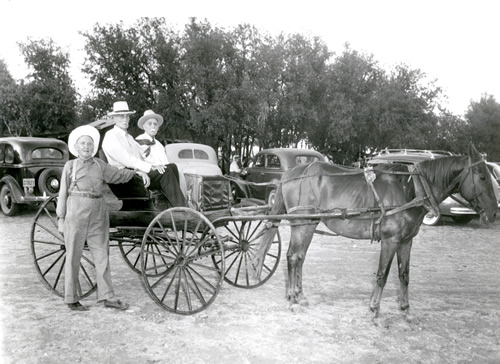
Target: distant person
x=236, y=169
x=83, y=217
x=123, y=151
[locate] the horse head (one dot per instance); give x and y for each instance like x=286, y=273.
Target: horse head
x=477, y=188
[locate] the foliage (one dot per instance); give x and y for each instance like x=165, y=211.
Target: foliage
x=236, y=89
x=49, y=100
x=483, y=120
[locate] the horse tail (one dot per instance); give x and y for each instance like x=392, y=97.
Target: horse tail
x=267, y=239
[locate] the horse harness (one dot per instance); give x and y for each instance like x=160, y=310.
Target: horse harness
x=423, y=191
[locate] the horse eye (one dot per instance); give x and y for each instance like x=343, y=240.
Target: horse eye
x=482, y=177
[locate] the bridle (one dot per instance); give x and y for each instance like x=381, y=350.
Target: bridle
x=460, y=180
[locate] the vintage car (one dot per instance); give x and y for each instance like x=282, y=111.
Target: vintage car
x=453, y=206
x=268, y=168
x=194, y=158
x=30, y=170
x=200, y=176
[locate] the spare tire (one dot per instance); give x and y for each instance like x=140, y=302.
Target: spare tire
x=49, y=181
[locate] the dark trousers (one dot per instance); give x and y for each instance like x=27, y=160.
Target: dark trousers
x=168, y=183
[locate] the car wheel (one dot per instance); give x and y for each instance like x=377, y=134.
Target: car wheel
x=271, y=198
x=49, y=182
x=431, y=220
x=462, y=219
x=9, y=207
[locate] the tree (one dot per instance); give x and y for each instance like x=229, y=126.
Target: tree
x=48, y=101
x=483, y=119
x=346, y=119
x=8, y=97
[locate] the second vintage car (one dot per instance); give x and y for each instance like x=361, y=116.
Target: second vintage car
x=268, y=168
x=30, y=170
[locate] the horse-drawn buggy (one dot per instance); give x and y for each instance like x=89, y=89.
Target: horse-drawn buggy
x=185, y=254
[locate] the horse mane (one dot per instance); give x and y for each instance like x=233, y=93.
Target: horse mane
x=442, y=171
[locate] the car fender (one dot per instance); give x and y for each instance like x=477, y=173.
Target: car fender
x=16, y=190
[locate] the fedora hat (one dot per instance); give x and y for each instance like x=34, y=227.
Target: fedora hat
x=149, y=114
x=121, y=108
x=79, y=132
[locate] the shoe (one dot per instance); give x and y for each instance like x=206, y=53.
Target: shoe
x=119, y=305
x=77, y=306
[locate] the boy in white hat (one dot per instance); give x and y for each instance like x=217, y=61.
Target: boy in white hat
x=83, y=216
x=123, y=151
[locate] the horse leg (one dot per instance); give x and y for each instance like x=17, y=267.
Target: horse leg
x=300, y=239
x=307, y=235
x=387, y=251
x=404, y=250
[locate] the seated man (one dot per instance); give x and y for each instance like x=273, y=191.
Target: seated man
x=152, y=150
x=123, y=151
x=236, y=169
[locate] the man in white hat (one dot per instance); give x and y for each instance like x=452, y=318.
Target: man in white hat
x=152, y=150
x=83, y=217
x=123, y=151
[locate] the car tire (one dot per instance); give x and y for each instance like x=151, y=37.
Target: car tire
x=7, y=204
x=431, y=220
x=462, y=219
x=271, y=197
x=49, y=182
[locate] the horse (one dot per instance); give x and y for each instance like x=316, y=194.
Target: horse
x=321, y=187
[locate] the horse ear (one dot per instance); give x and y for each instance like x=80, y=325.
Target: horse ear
x=473, y=153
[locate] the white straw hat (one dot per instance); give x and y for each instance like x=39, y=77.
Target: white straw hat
x=149, y=114
x=120, y=107
x=79, y=132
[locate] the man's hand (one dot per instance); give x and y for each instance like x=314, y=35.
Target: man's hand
x=160, y=168
x=145, y=178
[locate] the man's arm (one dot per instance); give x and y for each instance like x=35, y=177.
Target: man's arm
x=63, y=195
x=121, y=155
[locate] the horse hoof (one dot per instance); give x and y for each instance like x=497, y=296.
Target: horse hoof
x=295, y=307
x=304, y=302
x=410, y=318
x=380, y=322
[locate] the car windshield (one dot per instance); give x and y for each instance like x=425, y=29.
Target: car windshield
x=46, y=153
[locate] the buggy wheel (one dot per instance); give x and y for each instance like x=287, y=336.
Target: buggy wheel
x=176, y=261
x=49, y=254
x=129, y=241
x=241, y=244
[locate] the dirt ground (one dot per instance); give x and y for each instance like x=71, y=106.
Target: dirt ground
x=454, y=295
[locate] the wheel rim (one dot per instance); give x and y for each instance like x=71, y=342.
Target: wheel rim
x=49, y=255
x=129, y=242
x=176, y=261
x=241, y=244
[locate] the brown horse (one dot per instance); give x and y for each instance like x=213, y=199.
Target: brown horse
x=322, y=188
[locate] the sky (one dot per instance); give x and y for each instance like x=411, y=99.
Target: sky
x=455, y=43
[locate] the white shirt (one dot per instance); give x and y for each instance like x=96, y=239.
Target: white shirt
x=156, y=154
x=234, y=167
x=123, y=151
